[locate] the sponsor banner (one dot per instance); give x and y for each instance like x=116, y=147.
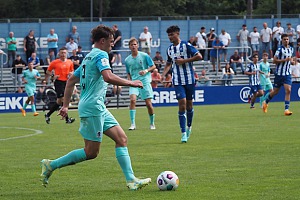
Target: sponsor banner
x=13, y=102
x=217, y=95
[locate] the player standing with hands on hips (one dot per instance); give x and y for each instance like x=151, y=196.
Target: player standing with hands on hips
x=94, y=75
x=283, y=77
x=181, y=56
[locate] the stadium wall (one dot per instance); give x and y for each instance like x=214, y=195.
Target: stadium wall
x=129, y=28
x=166, y=97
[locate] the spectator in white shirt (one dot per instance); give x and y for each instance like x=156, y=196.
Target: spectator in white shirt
x=254, y=40
x=277, y=32
x=226, y=39
x=145, y=41
x=265, y=36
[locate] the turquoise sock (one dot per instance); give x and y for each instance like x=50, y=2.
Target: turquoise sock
x=71, y=158
x=132, y=116
x=25, y=106
x=123, y=158
x=33, y=108
x=152, y=118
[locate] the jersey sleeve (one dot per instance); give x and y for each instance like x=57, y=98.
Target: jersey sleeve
x=102, y=62
x=169, y=59
x=77, y=71
x=191, y=49
x=51, y=66
x=149, y=61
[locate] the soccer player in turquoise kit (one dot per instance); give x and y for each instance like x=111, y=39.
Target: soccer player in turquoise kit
x=181, y=56
x=29, y=79
x=94, y=75
x=283, y=77
x=138, y=67
x=265, y=80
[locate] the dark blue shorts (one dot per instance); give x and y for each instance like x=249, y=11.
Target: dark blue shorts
x=281, y=80
x=185, y=91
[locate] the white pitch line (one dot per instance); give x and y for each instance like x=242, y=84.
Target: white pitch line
x=37, y=132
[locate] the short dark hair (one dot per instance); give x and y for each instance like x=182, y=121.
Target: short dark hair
x=255, y=55
x=173, y=29
x=63, y=48
x=101, y=31
x=284, y=35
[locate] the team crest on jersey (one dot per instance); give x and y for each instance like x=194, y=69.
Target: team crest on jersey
x=105, y=62
x=98, y=134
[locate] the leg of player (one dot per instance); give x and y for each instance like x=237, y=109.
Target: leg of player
x=117, y=134
x=24, y=107
x=182, y=119
x=268, y=98
x=189, y=115
x=132, y=111
x=287, y=99
x=151, y=113
x=31, y=98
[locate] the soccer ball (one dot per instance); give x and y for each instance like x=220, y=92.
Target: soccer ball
x=167, y=180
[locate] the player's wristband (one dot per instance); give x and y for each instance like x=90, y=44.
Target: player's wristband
x=146, y=70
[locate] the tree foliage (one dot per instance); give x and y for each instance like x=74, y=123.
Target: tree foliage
x=119, y=8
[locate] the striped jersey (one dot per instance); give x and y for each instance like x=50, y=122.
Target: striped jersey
x=284, y=68
x=182, y=74
x=253, y=78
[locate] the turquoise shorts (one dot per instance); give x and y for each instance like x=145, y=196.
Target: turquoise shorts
x=30, y=91
x=267, y=87
x=92, y=128
x=144, y=93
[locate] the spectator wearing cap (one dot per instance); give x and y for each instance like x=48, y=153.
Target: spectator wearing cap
x=158, y=61
x=291, y=33
x=210, y=38
x=217, y=46
x=201, y=41
x=242, y=38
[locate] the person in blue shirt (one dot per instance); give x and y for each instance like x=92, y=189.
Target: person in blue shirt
x=52, y=40
x=138, y=67
x=180, y=56
x=215, y=53
x=29, y=79
x=94, y=74
x=282, y=58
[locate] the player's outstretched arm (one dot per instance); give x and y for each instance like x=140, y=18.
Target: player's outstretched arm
x=111, y=78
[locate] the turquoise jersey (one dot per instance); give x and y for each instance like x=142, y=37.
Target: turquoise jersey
x=93, y=86
x=264, y=67
x=136, y=64
x=29, y=76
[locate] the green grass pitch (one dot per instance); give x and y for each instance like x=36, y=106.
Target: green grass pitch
x=233, y=153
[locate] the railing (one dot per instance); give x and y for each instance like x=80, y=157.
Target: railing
x=2, y=63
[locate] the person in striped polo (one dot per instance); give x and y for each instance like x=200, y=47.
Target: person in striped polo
x=253, y=72
x=283, y=77
x=180, y=56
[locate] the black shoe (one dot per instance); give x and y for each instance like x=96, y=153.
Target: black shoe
x=47, y=119
x=70, y=120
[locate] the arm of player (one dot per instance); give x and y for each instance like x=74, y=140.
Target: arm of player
x=166, y=69
x=144, y=72
x=196, y=57
x=277, y=61
x=111, y=78
x=63, y=112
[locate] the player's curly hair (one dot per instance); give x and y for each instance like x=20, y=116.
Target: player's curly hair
x=101, y=31
x=173, y=29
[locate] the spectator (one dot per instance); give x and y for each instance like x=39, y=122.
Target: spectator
x=265, y=36
x=75, y=95
x=17, y=70
x=72, y=45
x=298, y=48
x=276, y=33
x=117, y=45
x=203, y=80
x=80, y=54
x=146, y=40
x=52, y=40
x=41, y=92
x=235, y=61
x=168, y=81
x=30, y=45
x=193, y=41
x=226, y=39
x=242, y=38
x=210, y=38
x=75, y=59
x=73, y=34
x=156, y=78
x=227, y=75
x=254, y=40
x=291, y=33
x=158, y=61
x=218, y=46
x=295, y=70
x=34, y=59
x=201, y=41
x=50, y=57
x=11, y=49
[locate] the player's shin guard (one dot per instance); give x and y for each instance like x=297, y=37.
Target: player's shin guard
x=132, y=116
x=152, y=118
x=286, y=105
x=124, y=161
x=182, y=121
x=71, y=158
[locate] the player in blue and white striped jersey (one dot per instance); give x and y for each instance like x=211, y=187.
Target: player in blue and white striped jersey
x=283, y=77
x=180, y=56
x=253, y=71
